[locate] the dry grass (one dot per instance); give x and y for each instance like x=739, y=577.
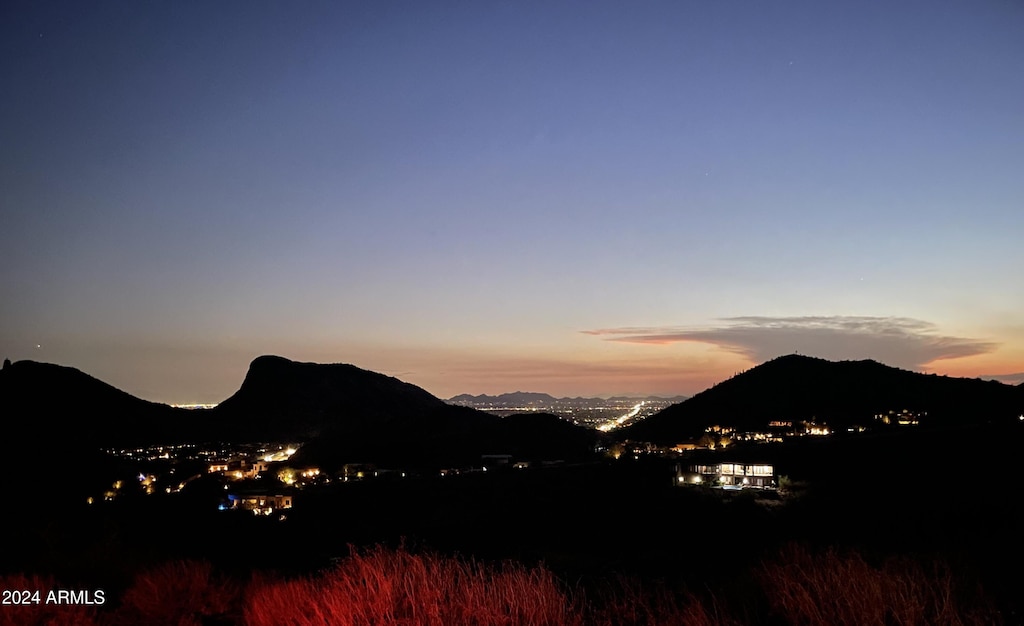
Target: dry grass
x=380, y=586
x=834, y=588
x=384, y=587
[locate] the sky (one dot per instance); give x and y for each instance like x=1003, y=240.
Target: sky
x=480, y=197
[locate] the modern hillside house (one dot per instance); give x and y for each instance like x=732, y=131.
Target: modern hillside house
x=728, y=475
x=260, y=503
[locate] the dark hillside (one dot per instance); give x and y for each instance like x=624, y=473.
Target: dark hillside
x=283, y=399
x=841, y=394
x=65, y=406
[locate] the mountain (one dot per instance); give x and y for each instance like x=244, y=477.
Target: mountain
x=347, y=414
x=454, y=436
x=344, y=414
x=56, y=420
x=282, y=399
x=558, y=438
x=840, y=394
x=64, y=406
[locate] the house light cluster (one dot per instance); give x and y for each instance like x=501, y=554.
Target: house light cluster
x=730, y=475
x=906, y=417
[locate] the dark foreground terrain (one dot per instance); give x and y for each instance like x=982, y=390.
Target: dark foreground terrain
x=933, y=513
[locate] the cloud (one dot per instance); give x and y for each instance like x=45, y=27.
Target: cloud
x=899, y=341
x=1010, y=379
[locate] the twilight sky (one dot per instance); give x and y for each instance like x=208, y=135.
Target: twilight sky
x=577, y=198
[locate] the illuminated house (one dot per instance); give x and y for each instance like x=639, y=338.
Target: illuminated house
x=256, y=468
x=728, y=475
x=905, y=417
x=260, y=503
x=686, y=446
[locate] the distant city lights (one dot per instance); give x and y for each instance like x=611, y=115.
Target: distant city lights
x=618, y=422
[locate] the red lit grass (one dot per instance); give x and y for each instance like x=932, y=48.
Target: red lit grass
x=381, y=586
x=833, y=588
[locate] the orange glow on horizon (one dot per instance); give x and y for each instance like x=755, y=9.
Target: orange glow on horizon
x=1008, y=367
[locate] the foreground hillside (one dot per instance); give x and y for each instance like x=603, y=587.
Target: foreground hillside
x=879, y=505
x=382, y=587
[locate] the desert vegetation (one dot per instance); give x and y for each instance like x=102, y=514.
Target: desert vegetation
x=396, y=586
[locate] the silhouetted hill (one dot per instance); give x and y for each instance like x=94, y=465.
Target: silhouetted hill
x=547, y=436
x=454, y=436
x=283, y=399
x=841, y=394
x=56, y=406
x=55, y=421
x=344, y=413
x=351, y=415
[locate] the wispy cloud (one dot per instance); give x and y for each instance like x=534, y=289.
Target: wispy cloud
x=899, y=341
x=1012, y=379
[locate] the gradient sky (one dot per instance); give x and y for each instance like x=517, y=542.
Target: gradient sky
x=577, y=198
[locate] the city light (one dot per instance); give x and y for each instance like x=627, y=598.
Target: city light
x=618, y=422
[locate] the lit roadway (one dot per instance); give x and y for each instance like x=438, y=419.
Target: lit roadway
x=619, y=421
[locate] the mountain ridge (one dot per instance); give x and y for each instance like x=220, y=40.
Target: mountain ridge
x=280, y=399
x=343, y=413
x=840, y=393
x=35, y=391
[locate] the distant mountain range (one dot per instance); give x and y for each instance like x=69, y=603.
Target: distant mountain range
x=517, y=397
x=528, y=399
x=840, y=394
